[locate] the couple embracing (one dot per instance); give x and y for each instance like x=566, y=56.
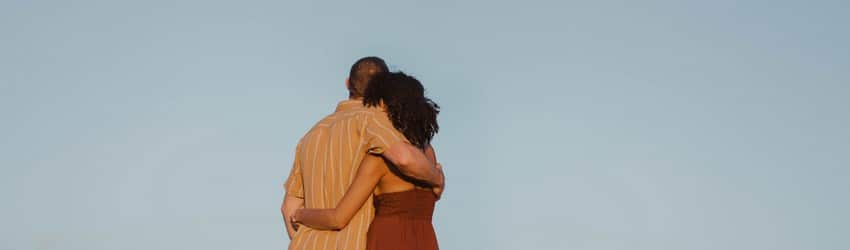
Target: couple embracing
x=366, y=176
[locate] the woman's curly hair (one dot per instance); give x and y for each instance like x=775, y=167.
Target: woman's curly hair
x=407, y=107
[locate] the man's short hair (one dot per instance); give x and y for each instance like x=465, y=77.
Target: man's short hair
x=362, y=72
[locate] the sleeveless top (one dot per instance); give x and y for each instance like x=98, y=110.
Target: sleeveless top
x=403, y=221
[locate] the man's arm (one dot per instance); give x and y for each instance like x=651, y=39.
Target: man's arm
x=287, y=209
x=294, y=198
x=414, y=163
x=383, y=139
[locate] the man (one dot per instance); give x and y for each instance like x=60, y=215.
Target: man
x=327, y=158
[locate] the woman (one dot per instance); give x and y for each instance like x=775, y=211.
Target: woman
x=403, y=206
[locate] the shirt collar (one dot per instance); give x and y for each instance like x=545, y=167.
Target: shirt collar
x=349, y=104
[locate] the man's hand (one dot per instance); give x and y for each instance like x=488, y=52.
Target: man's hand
x=439, y=190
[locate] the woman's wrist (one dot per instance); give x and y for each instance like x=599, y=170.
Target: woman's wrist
x=296, y=218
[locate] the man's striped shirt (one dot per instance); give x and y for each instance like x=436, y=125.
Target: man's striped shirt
x=326, y=161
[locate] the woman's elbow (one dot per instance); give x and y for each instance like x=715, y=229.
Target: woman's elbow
x=339, y=221
x=338, y=224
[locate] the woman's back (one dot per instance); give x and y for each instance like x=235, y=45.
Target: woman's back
x=392, y=182
x=397, y=182
x=403, y=214
x=403, y=221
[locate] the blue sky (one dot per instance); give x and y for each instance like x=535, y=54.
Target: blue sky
x=565, y=124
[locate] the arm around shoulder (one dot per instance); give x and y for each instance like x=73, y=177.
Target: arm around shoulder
x=414, y=163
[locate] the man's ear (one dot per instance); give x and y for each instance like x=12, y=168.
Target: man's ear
x=347, y=83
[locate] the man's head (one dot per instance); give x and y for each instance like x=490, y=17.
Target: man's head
x=362, y=72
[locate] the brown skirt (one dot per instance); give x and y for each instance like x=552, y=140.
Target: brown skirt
x=403, y=221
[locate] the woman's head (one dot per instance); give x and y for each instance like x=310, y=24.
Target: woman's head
x=407, y=107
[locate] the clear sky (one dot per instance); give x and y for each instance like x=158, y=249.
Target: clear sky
x=657, y=125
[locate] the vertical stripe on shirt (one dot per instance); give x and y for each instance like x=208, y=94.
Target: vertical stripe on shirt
x=327, y=164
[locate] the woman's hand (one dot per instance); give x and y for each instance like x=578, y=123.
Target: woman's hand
x=294, y=221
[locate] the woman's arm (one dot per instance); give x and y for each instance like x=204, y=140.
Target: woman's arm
x=438, y=190
x=370, y=172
